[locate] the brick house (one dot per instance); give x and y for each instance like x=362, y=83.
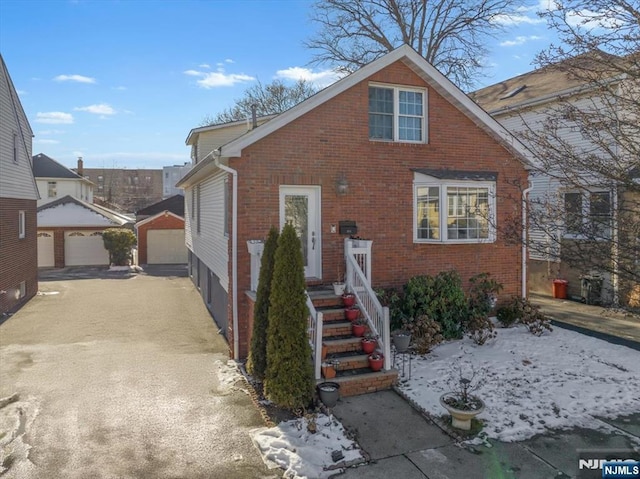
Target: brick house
x=18, y=201
x=378, y=151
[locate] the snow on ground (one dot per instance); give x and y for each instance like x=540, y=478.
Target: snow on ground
x=531, y=384
x=303, y=454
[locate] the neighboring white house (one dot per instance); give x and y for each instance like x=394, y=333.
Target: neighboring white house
x=57, y=181
x=524, y=103
x=170, y=176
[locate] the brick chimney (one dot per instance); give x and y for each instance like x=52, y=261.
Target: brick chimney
x=80, y=166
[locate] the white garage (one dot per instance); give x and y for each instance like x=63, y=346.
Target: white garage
x=84, y=248
x=46, y=257
x=166, y=246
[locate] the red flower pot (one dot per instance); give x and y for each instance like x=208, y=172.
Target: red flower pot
x=368, y=345
x=376, y=361
x=358, y=330
x=352, y=313
x=348, y=300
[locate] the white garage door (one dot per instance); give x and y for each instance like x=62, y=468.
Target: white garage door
x=166, y=247
x=45, y=249
x=84, y=248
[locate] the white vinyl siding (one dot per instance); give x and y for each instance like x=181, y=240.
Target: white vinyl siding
x=16, y=178
x=77, y=188
x=211, y=245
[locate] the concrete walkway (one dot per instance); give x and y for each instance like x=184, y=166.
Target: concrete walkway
x=402, y=443
x=121, y=376
x=611, y=325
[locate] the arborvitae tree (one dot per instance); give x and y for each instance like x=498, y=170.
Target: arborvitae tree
x=257, y=362
x=289, y=378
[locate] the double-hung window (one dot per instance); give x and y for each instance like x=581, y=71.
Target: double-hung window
x=587, y=214
x=454, y=211
x=52, y=191
x=22, y=225
x=397, y=114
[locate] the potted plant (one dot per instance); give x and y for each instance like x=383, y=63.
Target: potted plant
x=376, y=361
x=329, y=393
x=401, y=341
x=329, y=369
x=462, y=405
x=348, y=299
x=352, y=313
x=369, y=344
x=339, y=285
x=358, y=328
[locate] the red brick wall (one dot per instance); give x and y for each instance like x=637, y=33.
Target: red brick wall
x=168, y=222
x=18, y=257
x=334, y=139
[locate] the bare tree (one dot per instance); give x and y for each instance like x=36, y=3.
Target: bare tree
x=272, y=98
x=588, y=143
x=450, y=34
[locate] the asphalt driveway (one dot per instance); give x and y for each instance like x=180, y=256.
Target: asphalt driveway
x=121, y=376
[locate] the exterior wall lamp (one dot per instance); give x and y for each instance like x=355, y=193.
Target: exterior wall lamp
x=342, y=185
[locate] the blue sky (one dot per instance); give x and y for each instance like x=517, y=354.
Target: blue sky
x=121, y=83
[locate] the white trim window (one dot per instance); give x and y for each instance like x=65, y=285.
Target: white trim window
x=22, y=225
x=397, y=113
x=52, y=189
x=588, y=214
x=448, y=211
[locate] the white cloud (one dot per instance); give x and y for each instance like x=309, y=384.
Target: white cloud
x=204, y=65
x=51, y=132
x=228, y=60
x=590, y=20
x=120, y=88
x=54, y=118
x=510, y=20
x=219, y=78
x=75, y=78
x=321, y=78
x=21, y=92
x=46, y=141
x=520, y=40
x=97, y=109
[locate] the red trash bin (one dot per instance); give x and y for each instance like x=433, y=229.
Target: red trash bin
x=560, y=288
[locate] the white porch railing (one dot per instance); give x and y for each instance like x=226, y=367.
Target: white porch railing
x=314, y=330
x=358, y=281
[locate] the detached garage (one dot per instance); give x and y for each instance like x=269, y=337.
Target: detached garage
x=70, y=233
x=161, y=239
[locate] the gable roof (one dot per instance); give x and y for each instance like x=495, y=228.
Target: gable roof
x=156, y=216
x=193, y=134
x=415, y=62
x=173, y=204
x=546, y=83
x=112, y=217
x=46, y=167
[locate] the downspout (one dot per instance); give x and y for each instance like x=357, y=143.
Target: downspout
x=524, y=239
x=234, y=251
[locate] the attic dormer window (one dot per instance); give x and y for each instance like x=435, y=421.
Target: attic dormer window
x=397, y=113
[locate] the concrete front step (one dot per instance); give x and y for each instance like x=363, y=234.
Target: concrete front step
x=349, y=360
x=324, y=298
x=366, y=381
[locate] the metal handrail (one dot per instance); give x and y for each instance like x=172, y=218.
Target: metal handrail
x=377, y=316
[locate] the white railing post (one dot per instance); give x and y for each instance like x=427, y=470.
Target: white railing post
x=318, y=348
x=386, y=334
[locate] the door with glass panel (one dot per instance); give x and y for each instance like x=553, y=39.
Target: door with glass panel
x=300, y=206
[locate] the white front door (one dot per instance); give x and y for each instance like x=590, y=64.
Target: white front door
x=300, y=206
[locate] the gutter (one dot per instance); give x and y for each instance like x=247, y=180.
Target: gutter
x=524, y=239
x=234, y=250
